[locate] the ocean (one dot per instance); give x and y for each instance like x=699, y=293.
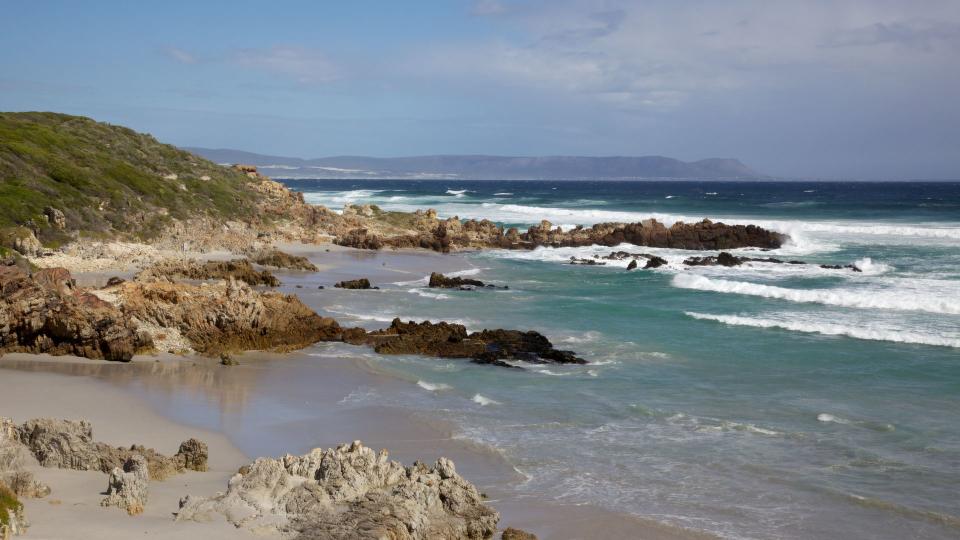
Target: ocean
x=758, y=401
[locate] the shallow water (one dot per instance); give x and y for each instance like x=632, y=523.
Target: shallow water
x=762, y=401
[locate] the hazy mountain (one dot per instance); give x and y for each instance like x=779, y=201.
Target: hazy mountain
x=478, y=167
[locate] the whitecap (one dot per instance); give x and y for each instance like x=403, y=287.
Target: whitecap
x=862, y=299
x=483, y=400
x=433, y=387
x=859, y=331
x=428, y=294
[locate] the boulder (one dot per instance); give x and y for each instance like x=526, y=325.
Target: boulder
x=516, y=534
x=632, y=265
x=349, y=492
x=440, y=281
x=193, y=455
x=55, y=217
x=362, y=283
x=127, y=486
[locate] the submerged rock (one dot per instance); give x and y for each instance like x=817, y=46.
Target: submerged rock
x=349, y=492
x=654, y=262
x=440, y=281
x=127, y=486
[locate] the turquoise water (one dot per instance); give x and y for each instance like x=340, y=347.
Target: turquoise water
x=763, y=401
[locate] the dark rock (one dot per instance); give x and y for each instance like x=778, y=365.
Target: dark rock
x=114, y=281
x=654, y=262
x=440, y=281
x=586, y=262
x=362, y=283
x=632, y=265
x=446, y=340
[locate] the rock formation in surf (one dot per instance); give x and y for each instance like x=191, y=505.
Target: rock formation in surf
x=447, y=340
x=349, y=492
x=362, y=283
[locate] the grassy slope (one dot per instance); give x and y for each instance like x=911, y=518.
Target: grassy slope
x=108, y=180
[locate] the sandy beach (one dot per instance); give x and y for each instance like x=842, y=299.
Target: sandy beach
x=269, y=405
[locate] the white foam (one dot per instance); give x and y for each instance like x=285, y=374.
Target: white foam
x=457, y=191
x=867, y=266
x=428, y=294
x=900, y=300
x=503, y=194
x=433, y=387
x=482, y=400
x=826, y=418
x=864, y=330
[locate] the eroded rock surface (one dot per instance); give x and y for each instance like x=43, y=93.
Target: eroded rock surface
x=227, y=316
x=279, y=259
x=238, y=269
x=45, y=313
x=349, y=492
x=127, y=486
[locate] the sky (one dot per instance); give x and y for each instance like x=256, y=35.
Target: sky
x=866, y=89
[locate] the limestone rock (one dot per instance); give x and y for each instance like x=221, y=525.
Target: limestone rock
x=127, y=487
x=349, y=492
x=193, y=455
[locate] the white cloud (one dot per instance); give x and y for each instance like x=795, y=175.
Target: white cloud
x=659, y=54
x=180, y=55
x=305, y=66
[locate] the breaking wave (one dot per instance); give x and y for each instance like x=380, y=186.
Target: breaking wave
x=894, y=300
x=863, y=331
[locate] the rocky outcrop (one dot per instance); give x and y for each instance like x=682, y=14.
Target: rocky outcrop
x=632, y=265
x=440, y=281
x=127, y=486
x=424, y=229
x=727, y=259
x=14, y=457
x=362, y=283
x=586, y=262
x=279, y=259
x=224, y=317
x=349, y=492
x=46, y=313
x=68, y=444
x=238, y=269
x=446, y=340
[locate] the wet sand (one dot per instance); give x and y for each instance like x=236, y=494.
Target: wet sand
x=273, y=404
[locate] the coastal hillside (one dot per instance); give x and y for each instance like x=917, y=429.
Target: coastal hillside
x=62, y=174
x=483, y=167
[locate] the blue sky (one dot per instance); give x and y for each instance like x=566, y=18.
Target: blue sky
x=838, y=88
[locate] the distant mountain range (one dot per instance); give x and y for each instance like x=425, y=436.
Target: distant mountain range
x=478, y=167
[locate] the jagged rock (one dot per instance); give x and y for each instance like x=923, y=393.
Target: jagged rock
x=349, y=492
x=22, y=240
x=68, y=444
x=632, y=265
x=516, y=534
x=362, y=283
x=839, y=267
x=279, y=259
x=225, y=317
x=45, y=313
x=654, y=262
x=127, y=487
x=239, y=269
x=25, y=485
x=446, y=340
x=193, y=455
x=55, y=217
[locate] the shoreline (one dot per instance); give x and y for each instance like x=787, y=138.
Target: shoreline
x=254, y=406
